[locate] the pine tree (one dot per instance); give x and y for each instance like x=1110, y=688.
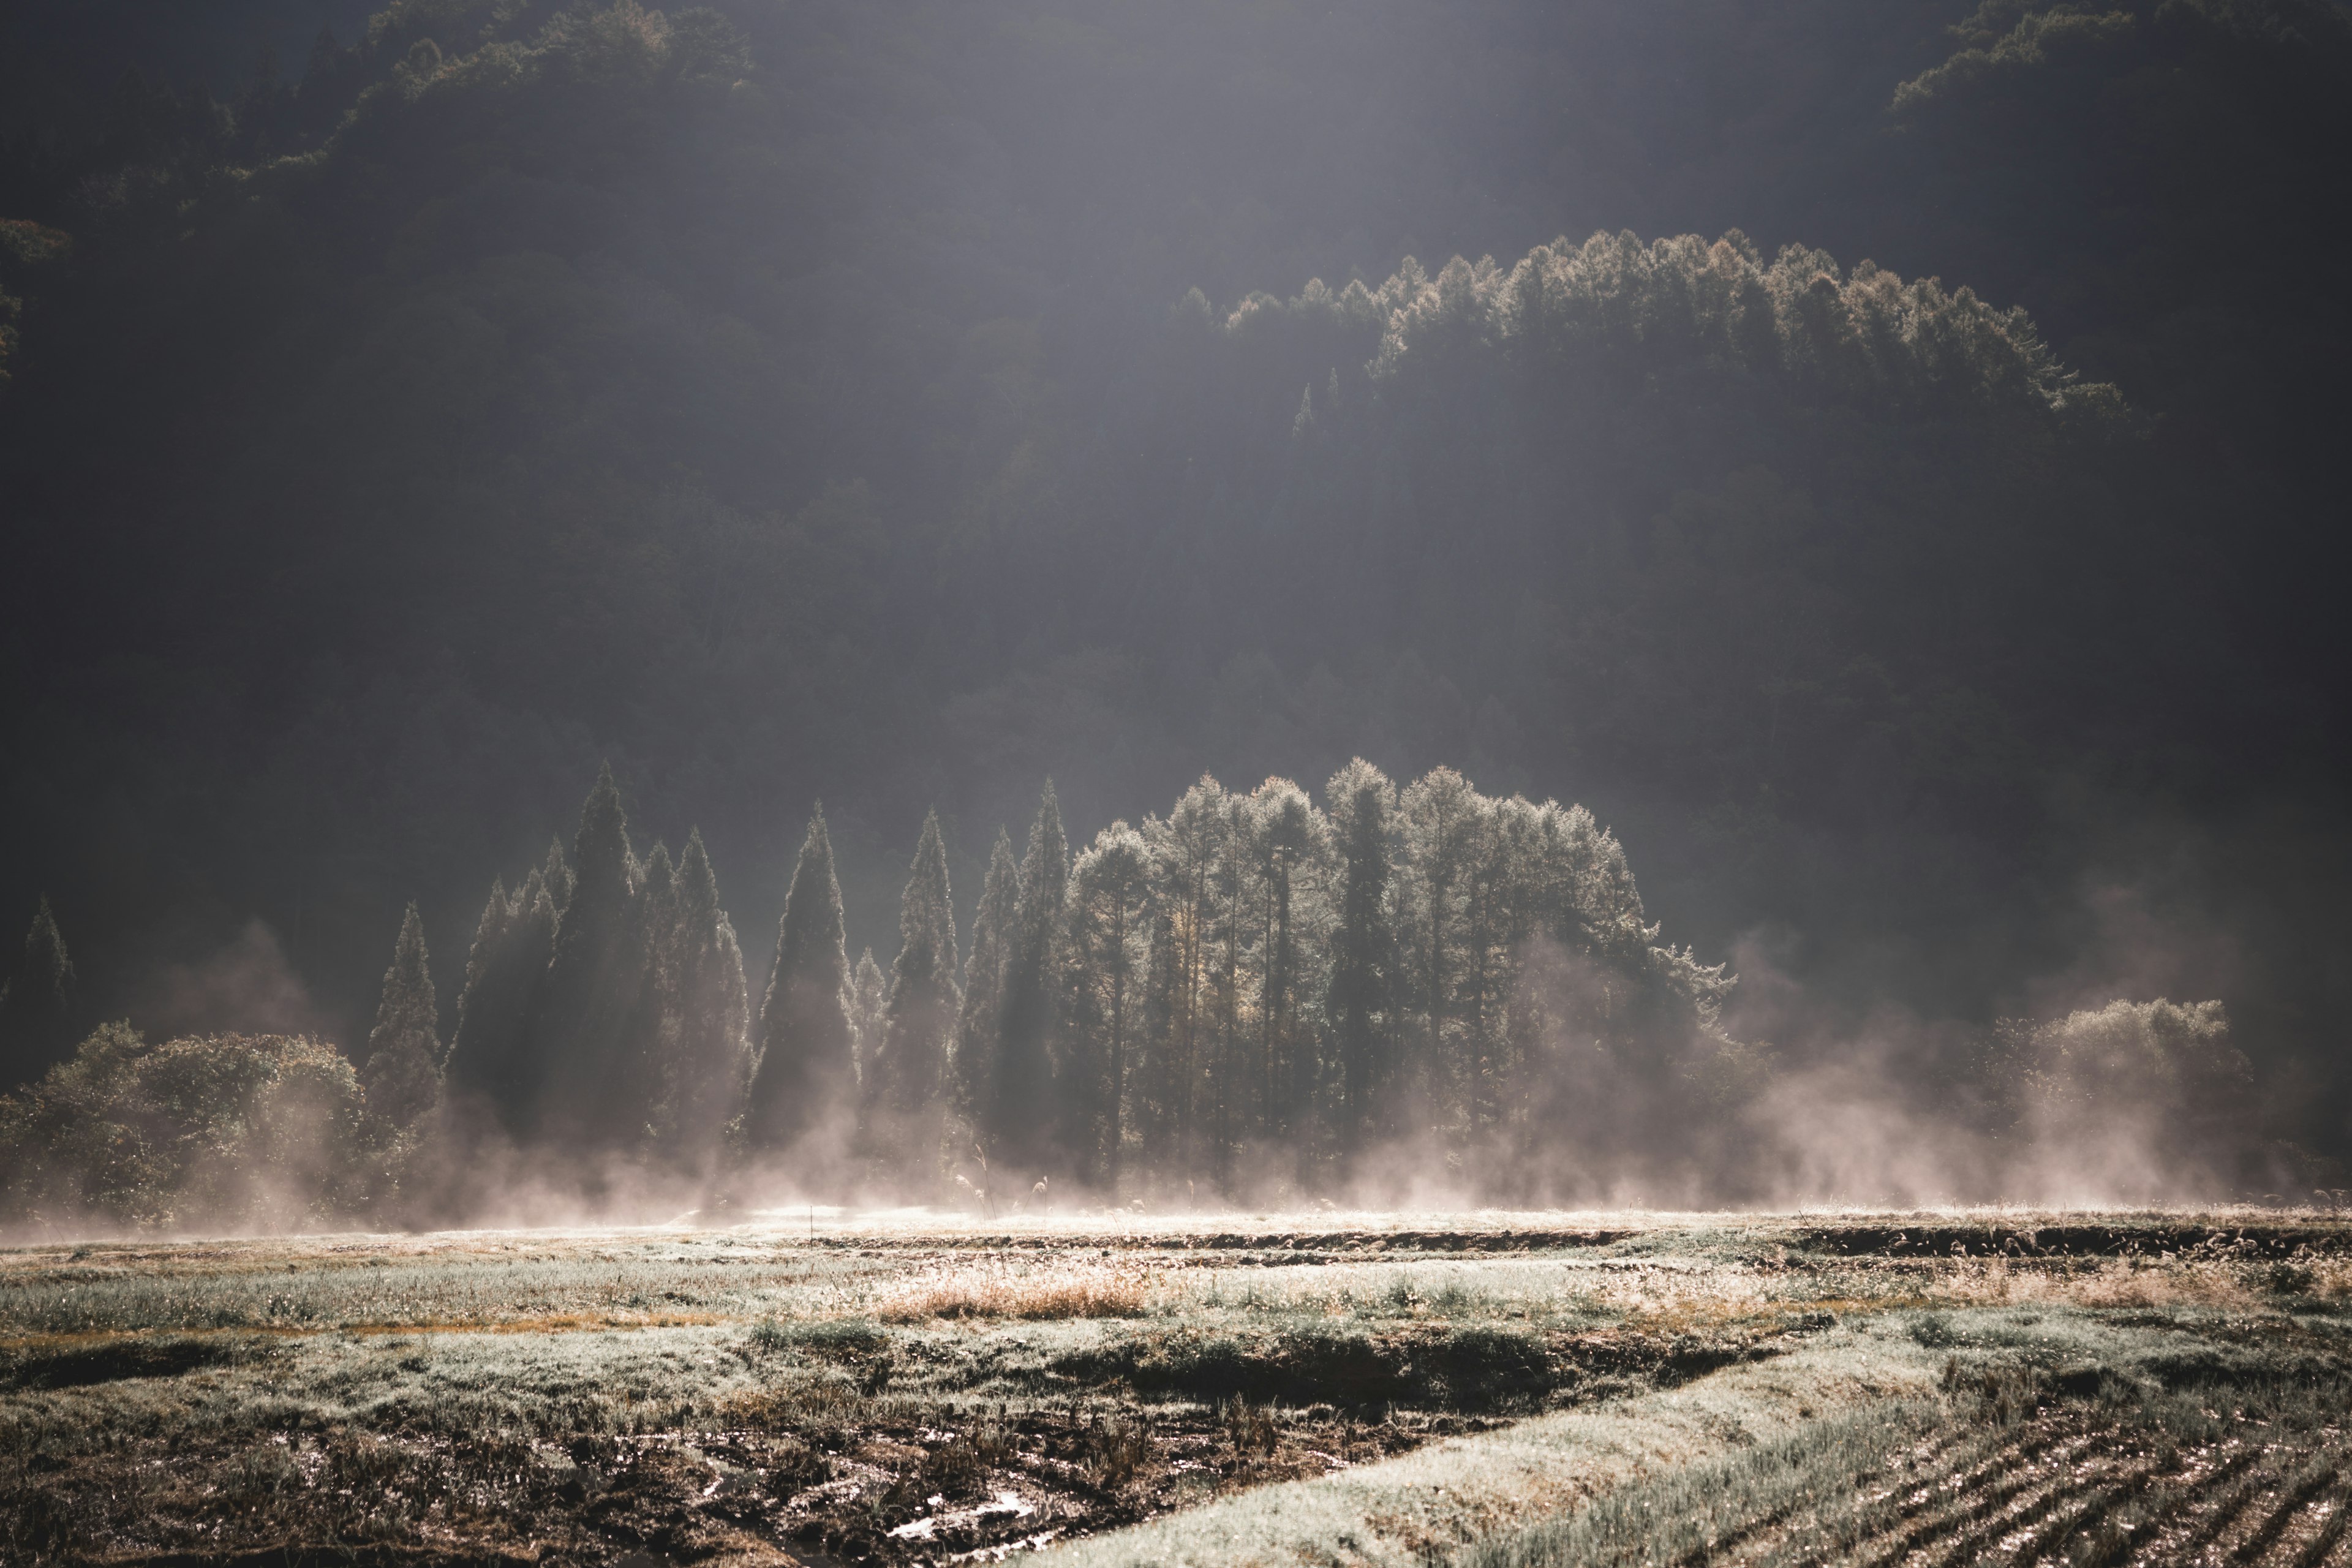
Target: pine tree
x=707, y=1058
x=979, y=1023
x=402, y=1071
x=579, y=1034
x=919, y=1017
x=37, y=1005
x=1362, y=806
x=807, y=1072
x=1017, y=1124
x=1103, y=961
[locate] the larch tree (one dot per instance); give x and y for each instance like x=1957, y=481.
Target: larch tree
x=1289, y=844
x=1018, y=1123
x=806, y=1080
x=402, y=1070
x=1507, y=893
x=1362, y=806
x=1441, y=822
x=1103, y=960
x=981, y=1020
x=707, y=1062
x=1191, y=860
x=919, y=1020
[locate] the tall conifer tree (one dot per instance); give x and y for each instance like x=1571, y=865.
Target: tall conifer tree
x=979, y=1023
x=807, y=1073
x=1363, y=805
x=1017, y=1127
x=919, y=1017
x=869, y=990
x=467, y=1050
x=1194, y=1002
x=556, y=876
x=1103, y=962
x=402, y=1072
x=706, y=1041
x=37, y=1004
x=505, y=968
x=634, y=1108
x=48, y=969
x=1442, y=824
x=580, y=1033
x=1290, y=843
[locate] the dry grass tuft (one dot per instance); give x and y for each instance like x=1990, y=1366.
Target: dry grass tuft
x=1106, y=1293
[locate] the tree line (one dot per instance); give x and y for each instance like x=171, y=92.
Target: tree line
x=1390, y=993
x=1254, y=990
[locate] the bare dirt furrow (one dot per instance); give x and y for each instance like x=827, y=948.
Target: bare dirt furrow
x=2268, y=1528
x=2262, y=1524
x=2019, y=1515
x=2048, y=1540
x=1989, y=1499
x=2221, y=1498
x=2308, y=1537
x=2337, y=1551
x=1943, y=1503
x=1772, y=1537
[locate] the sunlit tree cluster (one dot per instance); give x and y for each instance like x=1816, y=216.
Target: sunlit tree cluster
x=1253, y=990
x=1617, y=305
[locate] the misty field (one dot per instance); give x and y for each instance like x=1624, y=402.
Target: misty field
x=1496, y=1391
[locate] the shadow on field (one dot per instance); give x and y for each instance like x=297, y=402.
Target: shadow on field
x=1473, y=1368
x=115, y=1362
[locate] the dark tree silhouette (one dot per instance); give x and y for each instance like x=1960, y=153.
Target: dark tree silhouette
x=807, y=1068
x=979, y=1023
x=581, y=1074
x=402, y=1070
x=1018, y=1123
x=706, y=1061
x=37, y=1004
x=1362, y=806
x=919, y=1017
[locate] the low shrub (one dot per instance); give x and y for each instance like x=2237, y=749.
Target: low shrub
x=1061, y=1293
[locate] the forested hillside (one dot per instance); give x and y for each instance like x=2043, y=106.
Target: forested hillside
x=1878, y=459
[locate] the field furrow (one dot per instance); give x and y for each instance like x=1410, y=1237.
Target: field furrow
x=2262, y=1527
x=2309, y=1536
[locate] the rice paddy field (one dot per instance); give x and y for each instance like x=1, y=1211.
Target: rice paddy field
x=1489, y=1389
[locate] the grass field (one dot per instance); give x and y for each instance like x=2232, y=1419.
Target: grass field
x=1491, y=1390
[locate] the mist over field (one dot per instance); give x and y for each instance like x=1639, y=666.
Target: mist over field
x=1244, y=606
